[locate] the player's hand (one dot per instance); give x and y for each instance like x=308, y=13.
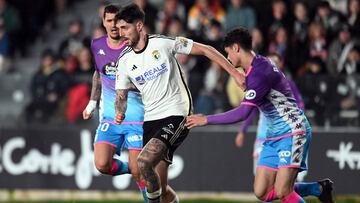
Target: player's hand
x=119, y=117
x=196, y=120
x=86, y=115
x=88, y=111
x=239, y=140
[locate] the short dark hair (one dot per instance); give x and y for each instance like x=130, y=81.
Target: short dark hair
x=111, y=8
x=131, y=13
x=240, y=36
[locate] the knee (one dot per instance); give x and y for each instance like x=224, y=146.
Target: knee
x=260, y=194
x=143, y=164
x=281, y=193
x=103, y=166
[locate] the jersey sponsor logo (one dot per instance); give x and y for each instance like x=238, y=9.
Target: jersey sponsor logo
x=250, y=94
x=135, y=138
x=109, y=69
x=283, y=154
x=156, y=54
x=101, y=52
x=140, y=80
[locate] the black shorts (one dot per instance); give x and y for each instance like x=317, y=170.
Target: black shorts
x=171, y=130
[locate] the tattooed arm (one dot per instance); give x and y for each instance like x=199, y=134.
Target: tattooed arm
x=120, y=105
x=94, y=97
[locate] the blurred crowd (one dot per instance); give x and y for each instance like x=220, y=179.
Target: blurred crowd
x=319, y=42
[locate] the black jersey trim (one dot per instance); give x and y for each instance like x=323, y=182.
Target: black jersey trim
x=146, y=44
x=186, y=87
x=125, y=51
x=160, y=36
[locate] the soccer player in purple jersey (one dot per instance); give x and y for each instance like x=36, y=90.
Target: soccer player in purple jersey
x=288, y=135
x=262, y=124
x=110, y=137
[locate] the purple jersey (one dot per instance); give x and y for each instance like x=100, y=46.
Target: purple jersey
x=270, y=91
x=105, y=64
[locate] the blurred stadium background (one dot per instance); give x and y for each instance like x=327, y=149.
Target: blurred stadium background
x=45, y=77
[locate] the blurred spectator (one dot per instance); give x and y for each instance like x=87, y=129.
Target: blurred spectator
x=315, y=90
x=201, y=13
x=214, y=35
x=72, y=44
x=317, y=41
x=79, y=93
x=353, y=17
x=258, y=42
x=48, y=87
x=279, y=17
x=279, y=44
x=329, y=18
x=213, y=97
x=151, y=13
x=299, y=36
x=238, y=14
x=176, y=27
x=12, y=23
x=337, y=47
x=172, y=9
x=351, y=65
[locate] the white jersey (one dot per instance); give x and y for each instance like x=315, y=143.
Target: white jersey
x=158, y=76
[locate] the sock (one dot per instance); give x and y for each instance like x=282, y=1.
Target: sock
x=293, y=197
x=154, y=197
x=271, y=195
x=119, y=168
x=306, y=189
x=142, y=187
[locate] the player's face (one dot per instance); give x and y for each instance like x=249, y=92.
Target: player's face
x=129, y=32
x=110, y=26
x=232, y=55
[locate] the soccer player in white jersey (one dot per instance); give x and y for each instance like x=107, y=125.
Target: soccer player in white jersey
x=111, y=138
x=150, y=64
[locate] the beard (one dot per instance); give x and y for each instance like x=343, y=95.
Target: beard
x=133, y=42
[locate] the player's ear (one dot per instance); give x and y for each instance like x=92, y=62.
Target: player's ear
x=236, y=47
x=139, y=25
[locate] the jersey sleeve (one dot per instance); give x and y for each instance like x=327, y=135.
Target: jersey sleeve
x=122, y=80
x=257, y=89
x=182, y=45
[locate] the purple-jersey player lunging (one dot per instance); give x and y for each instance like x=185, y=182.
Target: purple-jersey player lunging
x=288, y=135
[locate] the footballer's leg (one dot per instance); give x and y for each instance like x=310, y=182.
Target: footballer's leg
x=168, y=194
x=264, y=183
x=107, y=142
x=134, y=143
x=135, y=172
x=148, y=158
x=284, y=185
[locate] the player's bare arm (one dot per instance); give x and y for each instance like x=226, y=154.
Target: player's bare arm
x=94, y=97
x=120, y=105
x=211, y=53
x=150, y=156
